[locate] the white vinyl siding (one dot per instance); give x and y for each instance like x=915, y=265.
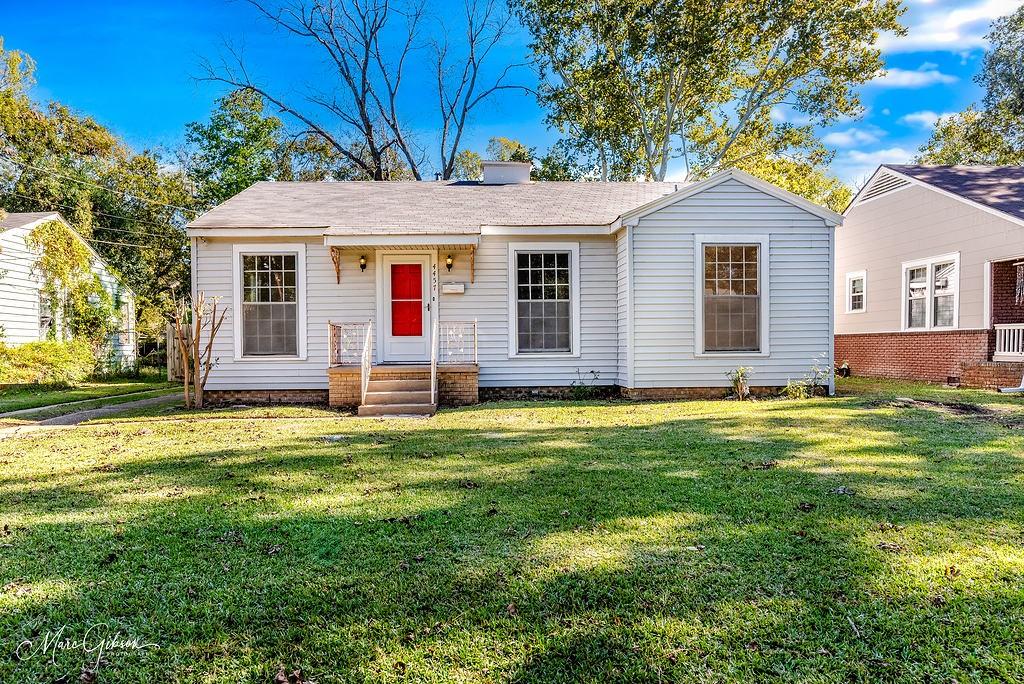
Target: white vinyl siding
x=485, y=300
x=350, y=301
x=665, y=288
x=914, y=224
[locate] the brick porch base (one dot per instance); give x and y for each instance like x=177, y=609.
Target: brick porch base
x=935, y=356
x=457, y=385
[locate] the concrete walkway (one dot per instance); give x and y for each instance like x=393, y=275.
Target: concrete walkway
x=72, y=419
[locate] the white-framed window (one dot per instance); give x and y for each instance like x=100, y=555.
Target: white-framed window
x=732, y=296
x=544, y=299
x=856, y=292
x=931, y=293
x=269, y=301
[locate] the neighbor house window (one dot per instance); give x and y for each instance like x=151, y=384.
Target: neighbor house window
x=732, y=298
x=856, y=286
x=269, y=305
x=544, y=293
x=45, y=316
x=930, y=293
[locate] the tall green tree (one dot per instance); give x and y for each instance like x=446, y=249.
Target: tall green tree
x=129, y=206
x=992, y=132
x=239, y=146
x=644, y=82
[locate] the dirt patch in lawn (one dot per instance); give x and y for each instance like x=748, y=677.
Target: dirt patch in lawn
x=1004, y=416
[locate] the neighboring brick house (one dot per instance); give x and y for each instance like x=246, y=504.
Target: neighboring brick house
x=930, y=275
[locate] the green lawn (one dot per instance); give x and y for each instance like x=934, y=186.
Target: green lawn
x=32, y=396
x=860, y=538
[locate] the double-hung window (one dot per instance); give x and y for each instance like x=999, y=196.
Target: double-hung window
x=856, y=292
x=270, y=310
x=730, y=305
x=544, y=298
x=931, y=292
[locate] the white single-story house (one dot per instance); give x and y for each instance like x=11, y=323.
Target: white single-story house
x=26, y=315
x=357, y=291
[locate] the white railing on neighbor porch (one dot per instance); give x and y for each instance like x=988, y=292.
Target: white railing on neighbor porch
x=1009, y=342
x=458, y=342
x=347, y=341
x=366, y=363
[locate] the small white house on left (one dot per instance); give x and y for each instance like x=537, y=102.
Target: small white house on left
x=25, y=313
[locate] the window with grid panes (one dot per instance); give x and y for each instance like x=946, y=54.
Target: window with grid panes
x=732, y=298
x=543, y=302
x=269, y=305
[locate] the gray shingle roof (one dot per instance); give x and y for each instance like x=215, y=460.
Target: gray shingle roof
x=998, y=187
x=427, y=207
x=19, y=219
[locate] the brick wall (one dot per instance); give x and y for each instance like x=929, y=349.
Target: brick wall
x=548, y=392
x=458, y=387
x=1004, y=286
x=935, y=356
x=991, y=375
x=674, y=393
x=215, y=397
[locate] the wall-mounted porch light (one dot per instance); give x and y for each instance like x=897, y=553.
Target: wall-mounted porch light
x=449, y=260
x=362, y=262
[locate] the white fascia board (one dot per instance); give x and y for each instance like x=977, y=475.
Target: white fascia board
x=399, y=240
x=594, y=229
x=254, y=232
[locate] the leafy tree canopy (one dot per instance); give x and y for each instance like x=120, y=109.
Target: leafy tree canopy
x=643, y=82
x=992, y=133
x=52, y=159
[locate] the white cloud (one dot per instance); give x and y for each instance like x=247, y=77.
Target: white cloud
x=849, y=138
x=855, y=166
x=924, y=119
x=919, y=78
x=951, y=25
x=890, y=155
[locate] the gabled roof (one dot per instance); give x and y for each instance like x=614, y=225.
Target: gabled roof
x=20, y=219
x=414, y=207
x=692, y=189
x=998, y=189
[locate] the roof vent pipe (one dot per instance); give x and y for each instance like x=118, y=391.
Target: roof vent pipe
x=506, y=172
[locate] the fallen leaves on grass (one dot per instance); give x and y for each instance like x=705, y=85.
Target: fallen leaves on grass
x=761, y=465
x=843, y=491
x=295, y=677
x=891, y=547
x=806, y=506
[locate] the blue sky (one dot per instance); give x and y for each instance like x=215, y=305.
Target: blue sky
x=131, y=65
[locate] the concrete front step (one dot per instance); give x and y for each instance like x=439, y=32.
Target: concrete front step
x=397, y=397
x=397, y=409
x=414, y=385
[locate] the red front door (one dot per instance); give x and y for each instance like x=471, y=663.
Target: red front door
x=406, y=300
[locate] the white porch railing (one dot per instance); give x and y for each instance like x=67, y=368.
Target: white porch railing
x=347, y=341
x=433, y=363
x=1009, y=342
x=366, y=363
x=458, y=342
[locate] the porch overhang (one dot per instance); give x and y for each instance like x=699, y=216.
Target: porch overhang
x=449, y=242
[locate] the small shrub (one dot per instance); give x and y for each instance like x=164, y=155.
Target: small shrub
x=47, y=363
x=797, y=390
x=581, y=390
x=739, y=377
